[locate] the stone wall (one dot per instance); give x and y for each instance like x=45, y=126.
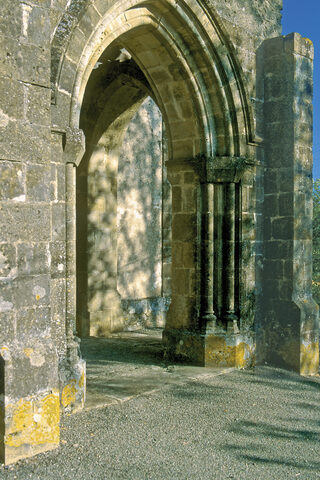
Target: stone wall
x=123, y=256
x=288, y=330
x=139, y=206
x=140, y=185
x=29, y=402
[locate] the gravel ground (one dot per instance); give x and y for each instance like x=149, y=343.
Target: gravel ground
x=262, y=424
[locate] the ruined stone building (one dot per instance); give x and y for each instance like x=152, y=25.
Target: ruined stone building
x=155, y=166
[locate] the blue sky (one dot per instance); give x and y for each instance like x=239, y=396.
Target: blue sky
x=304, y=17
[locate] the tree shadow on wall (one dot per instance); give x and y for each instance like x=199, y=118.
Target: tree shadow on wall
x=120, y=216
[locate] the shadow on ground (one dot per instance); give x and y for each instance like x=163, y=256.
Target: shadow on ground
x=129, y=364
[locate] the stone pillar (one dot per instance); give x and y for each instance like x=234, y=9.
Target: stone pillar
x=29, y=380
x=209, y=333
x=184, y=308
x=72, y=367
x=208, y=318
x=230, y=256
x=288, y=330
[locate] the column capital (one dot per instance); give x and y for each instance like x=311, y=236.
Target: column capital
x=73, y=141
x=222, y=169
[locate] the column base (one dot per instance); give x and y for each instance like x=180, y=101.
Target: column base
x=72, y=386
x=309, y=354
x=220, y=349
x=31, y=426
x=29, y=400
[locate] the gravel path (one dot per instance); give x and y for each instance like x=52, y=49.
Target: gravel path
x=262, y=424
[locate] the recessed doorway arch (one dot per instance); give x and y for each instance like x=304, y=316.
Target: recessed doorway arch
x=193, y=78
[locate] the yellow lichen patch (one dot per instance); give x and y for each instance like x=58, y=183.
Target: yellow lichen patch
x=81, y=381
x=221, y=354
x=33, y=422
x=218, y=353
x=244, y=355
x=308, y=40
x=28, y=351
x=22, y=418
x=68, y=394
x=309, y=358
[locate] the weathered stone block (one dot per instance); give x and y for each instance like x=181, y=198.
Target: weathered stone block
x=31, y=291
x=7, y=327
x=38, y=183
x=189, y=203
x=271, y=205
x=33, y=322
x=58, y=259
x=68, y=76
x=77, y=43
x=24, y=62
x=12, y=181
x=180, y=281
x=33, y=259
x=177, y=254
x=12, y=13
x=58, y=313
x=56, y=147
x=26, y=223
x=176, y=199
x=273, y=269
x=184, y=227
x=30, y=410
x=8, y=260
x=61, y=182
x=12, y=100
x=36, y=25
x=38, y=104
x=294, y=42
x=25, y=142
x=282, y=228
x=58, y=222
x=73, y=386
x=212, y=350
x=286, y=204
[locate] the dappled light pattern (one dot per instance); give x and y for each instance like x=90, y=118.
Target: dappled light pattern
x=123, y=222
x=139, y=205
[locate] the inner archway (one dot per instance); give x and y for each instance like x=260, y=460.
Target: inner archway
x=123, y=204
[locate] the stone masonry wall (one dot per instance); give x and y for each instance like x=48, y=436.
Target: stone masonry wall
x=288, y=331
x=140, y=219
x=29, y=402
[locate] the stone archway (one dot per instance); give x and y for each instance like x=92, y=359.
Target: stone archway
x=192, y=74
x=122, y=264
x=206, y=115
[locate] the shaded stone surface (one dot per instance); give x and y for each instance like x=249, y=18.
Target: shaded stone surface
x=127, y=365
